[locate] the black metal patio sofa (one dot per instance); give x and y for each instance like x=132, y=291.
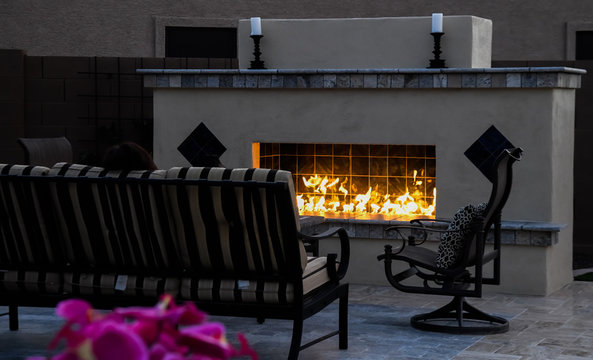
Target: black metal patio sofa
x=227, y=239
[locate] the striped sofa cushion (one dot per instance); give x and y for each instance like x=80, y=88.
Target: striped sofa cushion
x=31, y=282
x=26, y=220
x=266, y=292
x=73, y=170
x=14, y=169
x=206, y=237
x=117, y=226
x=107, y=284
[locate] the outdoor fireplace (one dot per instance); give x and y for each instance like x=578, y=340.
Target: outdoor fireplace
x=445, y=111
x=357, y=180
x=330, y=86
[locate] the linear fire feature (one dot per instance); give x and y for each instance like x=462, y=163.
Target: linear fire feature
x=357, y=180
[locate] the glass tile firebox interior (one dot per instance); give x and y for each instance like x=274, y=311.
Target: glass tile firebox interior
x=357, y=180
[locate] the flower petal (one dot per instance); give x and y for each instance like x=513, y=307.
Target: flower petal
x=206, y=339
x=157, y=352
x=191, y=315
x=245, y=349
x=73, y=338
x=155, y=314
x=65, y=356
x=114, y=342
x=147, y=330
x=74, y=310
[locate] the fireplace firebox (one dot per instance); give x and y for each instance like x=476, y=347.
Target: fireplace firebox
x=357, y=180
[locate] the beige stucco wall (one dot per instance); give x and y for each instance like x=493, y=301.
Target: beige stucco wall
x=454, y=119
x=563, y=186
x=379, y=43
x=538, y=120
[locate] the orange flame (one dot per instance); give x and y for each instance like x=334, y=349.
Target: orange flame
x=328, y=195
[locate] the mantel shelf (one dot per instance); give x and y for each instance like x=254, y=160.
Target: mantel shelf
x=455, y=78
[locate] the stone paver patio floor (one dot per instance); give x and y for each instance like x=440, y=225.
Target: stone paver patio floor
x=558, y=326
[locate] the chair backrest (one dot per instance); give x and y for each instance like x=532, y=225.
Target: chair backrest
x=46, y=151
x=501, y=188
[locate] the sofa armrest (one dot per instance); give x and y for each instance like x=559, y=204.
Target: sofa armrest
x=340, y=272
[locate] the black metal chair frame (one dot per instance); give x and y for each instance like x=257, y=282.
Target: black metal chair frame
x=457, y=316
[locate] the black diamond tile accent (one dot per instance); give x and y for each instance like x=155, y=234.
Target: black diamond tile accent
x=202, y=148
x=486, y=149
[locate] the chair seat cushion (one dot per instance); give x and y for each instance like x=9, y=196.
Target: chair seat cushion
x=451, y=244
x=270, y=292
x=419, y=256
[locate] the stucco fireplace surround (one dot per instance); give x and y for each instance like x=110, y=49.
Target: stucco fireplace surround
x=443, y=108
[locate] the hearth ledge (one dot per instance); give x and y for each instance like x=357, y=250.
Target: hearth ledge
x=521, y=233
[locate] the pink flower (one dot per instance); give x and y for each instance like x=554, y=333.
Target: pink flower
x=139, y=333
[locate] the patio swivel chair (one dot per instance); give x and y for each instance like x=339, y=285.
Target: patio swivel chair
x=456, y=269
x=46, y=151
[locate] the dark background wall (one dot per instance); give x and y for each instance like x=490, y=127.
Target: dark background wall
x=12, y=103
x=95, y=102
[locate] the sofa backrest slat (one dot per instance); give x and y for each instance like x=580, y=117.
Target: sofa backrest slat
x=261, y=235
x=27, y=229
x=239, y=227
x=128, y=227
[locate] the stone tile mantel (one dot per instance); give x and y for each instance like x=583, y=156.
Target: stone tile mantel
x=474, y=78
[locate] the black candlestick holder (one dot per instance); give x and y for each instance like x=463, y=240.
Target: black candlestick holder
x=437, y=62
x=257, y=63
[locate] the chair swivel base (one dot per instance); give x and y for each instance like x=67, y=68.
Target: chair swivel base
x=459, y=317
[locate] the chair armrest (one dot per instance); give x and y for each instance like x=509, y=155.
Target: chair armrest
x=415, y=224
x=332, y=258
x=411, y=241
x=447, y=221
x=418, y=225
x=395, y=227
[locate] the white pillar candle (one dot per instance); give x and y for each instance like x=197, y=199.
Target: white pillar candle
x=437, y=23
x=255, y=26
